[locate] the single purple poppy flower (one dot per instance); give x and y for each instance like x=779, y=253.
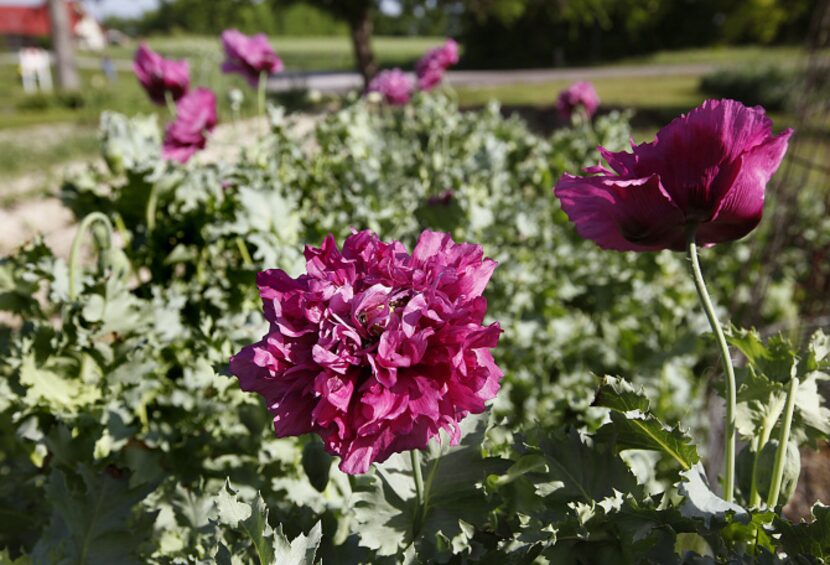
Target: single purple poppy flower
x=160, y=76
x=249, y=56
x=706, y=171
x=375, y=349
x=394, y=85
x=578, y=94
x=432, y=66
x=195, y=117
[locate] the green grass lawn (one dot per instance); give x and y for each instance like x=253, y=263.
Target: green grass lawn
x=654, y=99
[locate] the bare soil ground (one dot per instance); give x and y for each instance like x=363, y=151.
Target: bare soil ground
x=34, y=206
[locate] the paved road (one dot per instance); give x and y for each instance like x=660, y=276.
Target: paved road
x=345, y=81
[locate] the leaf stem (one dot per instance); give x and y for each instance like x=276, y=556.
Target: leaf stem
x=783, y=440
x=76, y=247
x=729, y=425
x=417, y=476
x=243, y=251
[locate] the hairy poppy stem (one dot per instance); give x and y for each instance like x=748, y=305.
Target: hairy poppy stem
x=171, y=104
x=418, y=477
x=263, y=82
x=783, y=440
x=729, y=427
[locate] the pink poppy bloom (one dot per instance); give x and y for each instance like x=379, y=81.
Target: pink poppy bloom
x=195, y=117
x=576, y=95
x=430, y=69
x=705, y=171
x=249, y=56
x=159, y=76
x=374, y=349
x=394, y=85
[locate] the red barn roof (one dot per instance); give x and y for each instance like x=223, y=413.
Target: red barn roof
x=32, y=21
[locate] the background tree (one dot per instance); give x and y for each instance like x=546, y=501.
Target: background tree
x=62, y=46
x=358, y=15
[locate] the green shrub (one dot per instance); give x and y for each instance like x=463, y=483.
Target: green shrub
x=120, y=427
x=770, y=87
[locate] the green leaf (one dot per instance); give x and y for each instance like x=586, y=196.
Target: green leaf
x=621, y=396
x=6, y=559
x=631, y=427
x=701, y=503
x=580, y=470
x=92, y=524
x=301, y=551
x=229, y=510
x=270, y=546
x=807, y=539
x=53, y=389
x=384, y=502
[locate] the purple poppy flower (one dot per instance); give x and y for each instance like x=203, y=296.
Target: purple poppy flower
x=394, y=85
x=578, y=94
x=432, y=66
x=195, y=117
x=706, y=171
x=159, y=76
x=374, y=349
x=249, y=56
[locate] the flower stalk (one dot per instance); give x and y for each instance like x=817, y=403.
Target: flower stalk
x=263, y=83
x=86, y=224
x=171, y=103
x=418, y=478
x=783, y=441
x=729, y=371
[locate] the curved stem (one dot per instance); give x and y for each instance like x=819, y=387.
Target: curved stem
x=783, y=440
x=417, y=476
x=729, y=425
x=76, y=247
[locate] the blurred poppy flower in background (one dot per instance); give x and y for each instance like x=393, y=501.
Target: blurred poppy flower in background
x=160, y=76
x=249, y=56
x=394, y=85
x=195, y=118
x=579, y=94
x=432, y=66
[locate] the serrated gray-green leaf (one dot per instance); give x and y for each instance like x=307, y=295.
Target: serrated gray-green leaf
x=632, y=428
x=700, y=502
x=91, y=524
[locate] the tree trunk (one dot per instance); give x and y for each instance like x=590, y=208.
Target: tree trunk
x=62, y=45
x=360, y=27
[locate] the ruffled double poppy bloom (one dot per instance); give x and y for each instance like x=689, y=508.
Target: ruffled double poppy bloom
x=374, y=349
x=160, y=76
x=394, y=86
x=578, y=95
x=249, y=56
x=704, y=174
x=432, y=66
x=195, y=118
